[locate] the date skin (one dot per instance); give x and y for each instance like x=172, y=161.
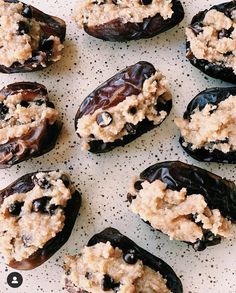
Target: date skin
x=50, y=25
x=218, y=192
x=116, y=30
x=23, y=185
x=37, y=141
x=219, y=71
x=210, y=96
x=124, y=243
x=127, y=82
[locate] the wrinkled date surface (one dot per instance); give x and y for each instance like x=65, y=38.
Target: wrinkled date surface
x=37, y=140
x=25, y=184
x=125, y=244
x=211, y=96
x=50, y=26
x=117, y=30
x=218, y=193
x=114, y=91
x=216, y=70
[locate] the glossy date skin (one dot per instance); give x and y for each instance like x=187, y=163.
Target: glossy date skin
x=218, y=192
x=125, y=244
x=37, y=141
x=50, y=26
x=127, y=82
x=214, y=70
x=116, y=30
x=25, y=184
x=211, y=96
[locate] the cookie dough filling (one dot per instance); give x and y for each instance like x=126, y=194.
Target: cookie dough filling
x=182, y=217
x=18, y=116
x=211, y=128
x=29, y=220
x=120, y=120
x=21, y=36
x=214, y=39
x=93, y=13
x=101, y=268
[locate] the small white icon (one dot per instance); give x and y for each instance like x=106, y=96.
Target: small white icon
x=14, y=280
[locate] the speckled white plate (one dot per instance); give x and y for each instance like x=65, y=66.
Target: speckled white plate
x=103, y=179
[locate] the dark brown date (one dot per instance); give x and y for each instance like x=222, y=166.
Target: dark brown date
x=218, y=192
x=216, y=70
x=38, y=140
x=50, y=26
x=23, y=185
x=126, y=245
x=114, y=91
x=211, y=96
x=117, y=30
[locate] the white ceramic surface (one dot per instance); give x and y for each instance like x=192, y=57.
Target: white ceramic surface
x=103, y=179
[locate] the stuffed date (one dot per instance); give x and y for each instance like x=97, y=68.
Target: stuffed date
x=29, y=123
x=112, y=262
x=123, y=20
x=29, y=39
x=211, y=41
x=185, y=202
x=208, y=126
x=129, y=104
x=37, y=213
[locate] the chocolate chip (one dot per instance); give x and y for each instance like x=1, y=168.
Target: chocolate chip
x=230, y=12
x=209, y=236
x=23, y=28
x=46, y=45
x=15, y=208
x=131, y=129
x=133, y=110
x=88, y=275
x=65, y=180
x=130, y=257
x=219, y=141
x=114, y=2
x=131, y=197
x=225, y=33
x=194, y=216
x=100, y=2
x=40, y=204
x=108, y=283
x=104, y=119
x=227, y=54
x=197, y=28
x=161, y=104
x=3, y=111
x=13, y=241
x=50, y=105
x=24, y=104
x=27, y=12
x=213, y=110
x=43, y=183
x=51, y=209
x=199, y=245
x=26, y=240
x=39, y=102
x=146, y=2
x=116, y=287
x=138, y=185
x=12, y=1
x=211, y=239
